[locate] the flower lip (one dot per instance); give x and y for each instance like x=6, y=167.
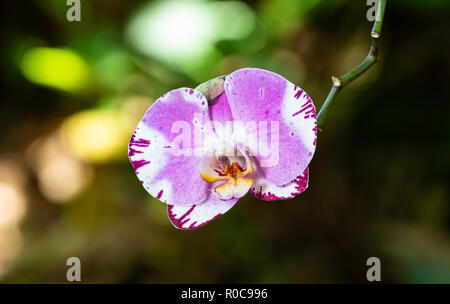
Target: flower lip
x=232, y=170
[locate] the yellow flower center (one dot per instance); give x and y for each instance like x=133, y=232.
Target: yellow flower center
x=228, y=169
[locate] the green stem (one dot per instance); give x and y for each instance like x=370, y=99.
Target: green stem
x=340, y=82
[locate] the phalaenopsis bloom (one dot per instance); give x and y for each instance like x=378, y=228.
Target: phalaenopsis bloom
x=200, y=150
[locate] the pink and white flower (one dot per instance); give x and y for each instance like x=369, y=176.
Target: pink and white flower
x=251, y=131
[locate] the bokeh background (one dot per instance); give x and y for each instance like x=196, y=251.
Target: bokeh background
x=73, y=93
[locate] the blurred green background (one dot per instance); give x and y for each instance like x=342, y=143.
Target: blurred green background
x=73, y=93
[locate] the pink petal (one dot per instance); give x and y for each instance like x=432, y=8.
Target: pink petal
x=220, y=110
x=262, y=96
x=267, y=191
x=193, y=217
x=172, y=179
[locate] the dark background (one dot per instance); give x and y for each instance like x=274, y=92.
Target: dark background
x=379, y=182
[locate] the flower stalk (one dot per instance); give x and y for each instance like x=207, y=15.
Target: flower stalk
x=340, y=82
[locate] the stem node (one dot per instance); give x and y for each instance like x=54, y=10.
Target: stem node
x=340, y=82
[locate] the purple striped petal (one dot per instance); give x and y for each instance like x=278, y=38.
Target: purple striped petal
x=262, y=96
x=173, y=179
x=268, y=191
x=193, y=217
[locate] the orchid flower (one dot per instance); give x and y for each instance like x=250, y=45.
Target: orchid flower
x=201, y=150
